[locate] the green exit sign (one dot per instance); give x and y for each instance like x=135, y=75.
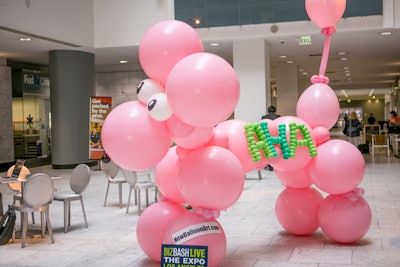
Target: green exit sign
x=305, y=40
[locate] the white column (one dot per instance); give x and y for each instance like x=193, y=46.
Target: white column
x=252, y=66
x=287, y=88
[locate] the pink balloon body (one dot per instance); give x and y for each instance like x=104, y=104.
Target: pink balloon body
x=321, y=134
x=203, y=89
x=343, y=220
x=215, y=241
x=338, y=168
x=164, y=45
x=166, y=175
x=297, y=210
x=300, y=178
x=302, y=154
x=211, y=177
x=237, y=143
x=132, y=139
x=153, y=223
x=325, y=13
x=178, y=128
x=199, y=137
x=318, y=106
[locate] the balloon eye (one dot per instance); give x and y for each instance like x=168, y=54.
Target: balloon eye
x=152, y=103
x=146, y=89
x=139, y=87
x=158, y=107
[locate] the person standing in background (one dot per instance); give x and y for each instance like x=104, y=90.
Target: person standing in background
x=271, y=116
x=371, y=119
x=394, y=119
x=353, y=128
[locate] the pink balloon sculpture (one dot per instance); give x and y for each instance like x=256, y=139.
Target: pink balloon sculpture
x=318, y=106
x=153, y=224
x=211, y=177
x=132, y=139
x=344, y=220
x=181, y=232
x=202, y=89
x=164, y=44
x=297, y=210
x=325, y=13
x=166, y=176
x=338, y=168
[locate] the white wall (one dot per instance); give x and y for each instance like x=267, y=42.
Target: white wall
x=127, y=20
x=71, y=20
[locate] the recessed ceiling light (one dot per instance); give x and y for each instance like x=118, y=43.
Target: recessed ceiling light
x=290, y=61
x=123, y=61
x=343, y=58
x=386, y=33
x=282, y=57
x=342, y=53
x=25, y=39
x=214, y=44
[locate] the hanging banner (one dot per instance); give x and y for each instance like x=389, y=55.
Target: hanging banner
x=99, y=109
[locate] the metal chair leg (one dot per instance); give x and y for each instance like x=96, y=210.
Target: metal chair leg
x=105, y=200
x=84, y=213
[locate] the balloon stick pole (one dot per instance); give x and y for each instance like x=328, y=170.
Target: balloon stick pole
x=327, y=43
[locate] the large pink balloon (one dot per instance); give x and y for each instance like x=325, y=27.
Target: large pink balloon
x=164, y=44
x=297, y=210
x=203, y=89
x=211, y=177
x=318, y=105
x=325, y=13
x=300, y=178
x=132, y=139
x=153, y=223
x=344, y=220
x=237, y=143
x=302, y=153
x=166, y=175
x=194, y=230
x=338, y=168
x=200, y=136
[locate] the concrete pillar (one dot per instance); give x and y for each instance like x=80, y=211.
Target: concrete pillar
x=252, y=65
x=72, y=81
x=287, y=88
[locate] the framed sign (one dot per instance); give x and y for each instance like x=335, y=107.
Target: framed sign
x=100, y=107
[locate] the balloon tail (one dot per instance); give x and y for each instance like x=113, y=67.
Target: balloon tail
x=321, y=78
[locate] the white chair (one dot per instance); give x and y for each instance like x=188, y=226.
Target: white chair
x=137, y=186
x=111, y=171
x=380, y=141
x=79, y=181
x=16, y=187
x=37, y=195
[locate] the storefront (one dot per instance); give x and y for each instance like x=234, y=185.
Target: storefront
x=31, y=114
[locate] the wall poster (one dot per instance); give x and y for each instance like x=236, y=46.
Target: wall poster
x=99, y=109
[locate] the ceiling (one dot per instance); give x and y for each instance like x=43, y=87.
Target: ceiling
x=373, y=60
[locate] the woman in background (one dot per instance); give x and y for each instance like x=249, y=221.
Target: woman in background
x=353, y=129
x=394, y=119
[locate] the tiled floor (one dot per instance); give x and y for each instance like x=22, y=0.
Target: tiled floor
x=254, y=237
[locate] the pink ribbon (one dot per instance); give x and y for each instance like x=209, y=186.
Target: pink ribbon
x=355, y=194
x=207, y=213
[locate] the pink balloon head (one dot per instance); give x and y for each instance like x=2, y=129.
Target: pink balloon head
x=325, y=13
x=164, y=45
